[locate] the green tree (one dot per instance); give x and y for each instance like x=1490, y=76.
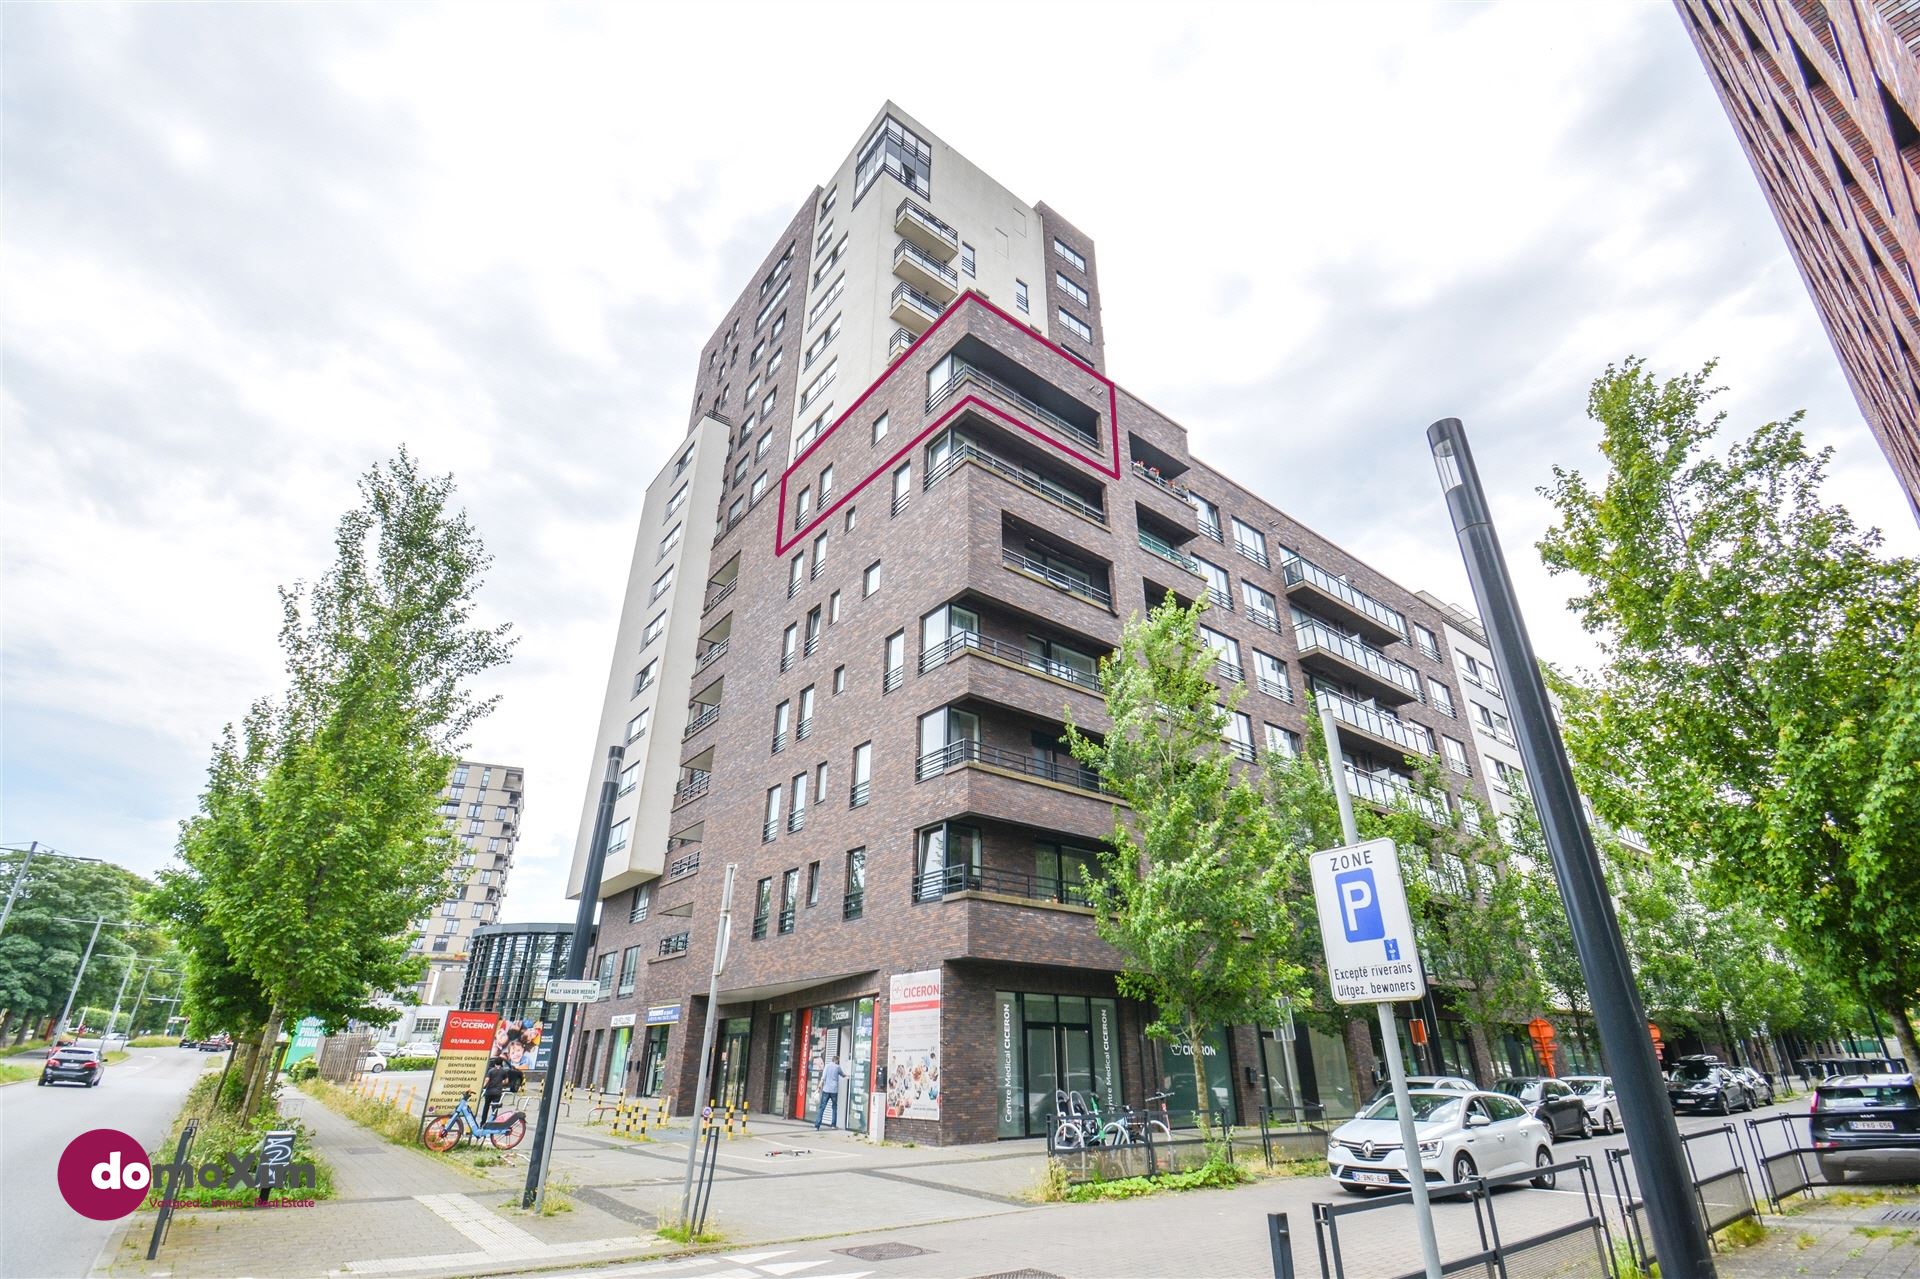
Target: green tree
x=1191, y=889
x=47, y=934
x=1759, y=705
x=318, y=843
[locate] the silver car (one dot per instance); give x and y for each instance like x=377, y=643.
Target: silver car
x=1462, y=1135
x=1603, y=1108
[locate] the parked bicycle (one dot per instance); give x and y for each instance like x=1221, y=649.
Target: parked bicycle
x=1079, y=1123
x=444, y=1132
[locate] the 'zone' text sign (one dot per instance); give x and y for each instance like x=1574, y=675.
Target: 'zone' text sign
x=1365, y=926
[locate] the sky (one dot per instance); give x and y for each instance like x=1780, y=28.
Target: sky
x=250, y=250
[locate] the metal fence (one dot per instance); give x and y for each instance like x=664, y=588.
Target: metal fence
x=1294, y=1132
x=1560, y=1235
x=1717, y=1172
x=1791, y=1161
x=1155, y=1142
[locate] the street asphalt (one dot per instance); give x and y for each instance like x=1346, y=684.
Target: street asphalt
x=39, y=1233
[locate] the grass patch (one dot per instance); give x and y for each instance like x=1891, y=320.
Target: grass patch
x=559, y=1197
x=1743, y=1233
x=397, y=1125
x=681, y=1233
x=1896, y=1235
x=115, y=1055
x=1804, y=1241
x=24, y=1046
x=155, y=1041
x=16, y=1074
x=225, y=1131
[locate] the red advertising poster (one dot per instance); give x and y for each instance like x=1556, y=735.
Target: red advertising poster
x=466, y=1041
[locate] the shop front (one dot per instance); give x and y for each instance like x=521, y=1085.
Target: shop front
x=661, y=1019
x=622, y=1042
x=1306, y=1072
x=841, y=1032
x=1176, y=1077
x=1049, y=1043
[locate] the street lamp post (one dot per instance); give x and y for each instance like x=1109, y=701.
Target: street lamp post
x=723, y=934
x=1652, y=1137
x=61, y=1025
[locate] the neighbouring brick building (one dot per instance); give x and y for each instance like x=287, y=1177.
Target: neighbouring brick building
x=1824, y=97
x=910, y=513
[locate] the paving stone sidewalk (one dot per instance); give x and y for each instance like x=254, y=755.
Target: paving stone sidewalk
x=1837, y=1234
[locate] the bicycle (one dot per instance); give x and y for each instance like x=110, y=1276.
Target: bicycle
x=444, y=1132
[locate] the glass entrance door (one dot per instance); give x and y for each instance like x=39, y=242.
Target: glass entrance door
x=617, y=1060
x=736, y=1036
x=1043, y=1076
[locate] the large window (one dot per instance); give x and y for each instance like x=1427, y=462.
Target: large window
x=898, y=150
x=1075, y=325
x=862, y=774
x=629, y=969
x=948, y=860
x=947, y=736
x=1070, y=254
x=1069, y=288
x=894, y=668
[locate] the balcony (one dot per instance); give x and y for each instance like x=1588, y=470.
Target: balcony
x=796, y=821
x=1156, y=545
x=717, y=592
x=938, y=883
x=932, y=278
x=1355, y=661
x=1251, y=550
x=1342, y=600
x=709, y=655
x=692, y=787
x=1390, y=790
x=853, y=904
x=962, y=754
x=1086, y=590
x=962, y=452
x=926, y=231
x=964, y=642
x=898, y=344
x=962, y=373
x=1370, y=728
x=913, y=310
x=1274, y=688
x=702, y=715
x=1151, y=474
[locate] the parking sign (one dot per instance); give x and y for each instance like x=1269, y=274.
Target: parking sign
x=1365, y=926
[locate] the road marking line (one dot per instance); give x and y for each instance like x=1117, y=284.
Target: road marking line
x=498, y=1239
x=784, y=1268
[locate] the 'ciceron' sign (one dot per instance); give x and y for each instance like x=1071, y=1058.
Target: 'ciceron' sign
x=1365, y=927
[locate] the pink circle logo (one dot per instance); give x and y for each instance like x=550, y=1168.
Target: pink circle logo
x=104, y=1174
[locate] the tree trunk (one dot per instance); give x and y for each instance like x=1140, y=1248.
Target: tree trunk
x=1361, y=1061
x=1202, y=1097
x=262, y=1064
x=1903, y=1032
x=220, y=1089
x=1482, y=1054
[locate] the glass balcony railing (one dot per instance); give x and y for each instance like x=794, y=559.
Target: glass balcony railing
x=1166, y=550
x=1411, y=738
x=1390, y=790
x=1311, y=633
x=909, y=251
x=1295, y=570
x=909, y=213
x=907, y=298
x=959, y=454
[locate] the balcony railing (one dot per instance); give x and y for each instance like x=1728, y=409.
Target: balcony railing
x=715, y=651
x=1055, y=578
x=1274, y=688
x=797, y=820
x=769, y=831
x=1295, y=569
x=963, y=452
x=934, y=884
x=1152, y=476
x=898, y=344
x=1157, y=545
x=1261, y=617
x=893, y=678
x=1228, y=671
x=674, y=945
x=1391, y=791
x=853, y=904
x=706, y=716
x=691, y=789
x=760, y=923
x=1411, y=738
x=1242, y=751
x=914, y=300
x=1219, y=598
x=779, y=742
x=1252, y=552
x=910, y=212
x=681, y=867
x=960, y=754
x=964, y=372
x=786, y=920
x=901, y=499
x=926, y=262
x=714, y=599
x=803, y=730
x=972, y=641
x=1311, y=634
x=1209, y=529
x=857, y=794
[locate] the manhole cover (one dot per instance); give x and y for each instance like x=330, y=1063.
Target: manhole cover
x=882, y=1251
x=1901, y=1214
x=1022, y=1274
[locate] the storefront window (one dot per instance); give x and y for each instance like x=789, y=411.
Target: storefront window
x=862, y=1071
x=1176, y=1078
x=831, y=1034
x=653, y=1071
x=1333, y=1078
x=780, y=1084
x=617, y=1060
x=1052, y=1043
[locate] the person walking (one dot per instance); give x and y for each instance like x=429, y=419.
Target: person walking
x=830, y=1079
x=498, y=1079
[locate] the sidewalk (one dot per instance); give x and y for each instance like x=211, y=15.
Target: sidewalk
x=1860, y=1233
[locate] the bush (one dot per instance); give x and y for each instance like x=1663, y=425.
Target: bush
x=155, y=1041
x=303, y=1070
x=225, y=1131
x=410, y=1063
x=1215, y=1172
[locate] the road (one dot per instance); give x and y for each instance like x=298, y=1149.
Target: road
x=139, y=1096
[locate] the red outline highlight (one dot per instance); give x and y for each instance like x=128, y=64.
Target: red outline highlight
x=783, y=544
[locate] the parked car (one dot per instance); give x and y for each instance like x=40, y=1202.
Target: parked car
x=1596, y=1091
x=1550, y=1101
x=1758, y=1084
x=419, y=1048
x=218, y=1044
x=1441, y=1083
x=1702, y=1084
x=74, y=1065
x=372, y=1062
x=189, y=1043
x=387, y=1048
x=1462, y=1135
x=1868, y=1122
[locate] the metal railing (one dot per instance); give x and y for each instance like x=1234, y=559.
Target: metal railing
x=893, y=678
x=760, y=923
x=908, y=209
x=901, y=499
x=932, y=885
x=692, y=788
x=915, y=299
x=1412, y=737
x=1296, y=569
x=674, y=945
x=898, y=344
x=722, y=593
x=1312, y=633
x=803, y=730
x=857, y=794
x=1157, y=545
x=681, y=867
x=1391, y=792
x=769, y=831
x=1219, y=598
x=1274, y=688
x=786, y=919
x=964, y=372
x=1212, y=530
x=926, y=262
x=1159, y=481
x=1252, y=552
x=853, y=903
x=779, y=742
x=972, y=641
x=1055, y=578
x=1261, y=617
x=962, y=452
x=700, y=721
x=1228, y=671
x=714, y=653
x=960, y=754
x=797, y=820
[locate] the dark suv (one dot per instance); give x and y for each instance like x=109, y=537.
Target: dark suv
x=1550, y=1101
x=1869, y=1122
x=1703, y=1084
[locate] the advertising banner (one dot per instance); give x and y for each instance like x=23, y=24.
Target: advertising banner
x=465, y=1044
x=913, y=1045
x=306, y=1041
x=522, y=1042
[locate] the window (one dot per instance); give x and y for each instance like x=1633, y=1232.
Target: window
x=818, y=387
x=773, y=398
x=902, y=486
x=1260, y=605
x=736, y=512
x=880, y=428
x=833, y=608
x=804, y=728
x=827, y=299
x=813, y=884
x=762, y=907
x=870, y=580
x=1429, y=643
x=605, y=974
x=803, y=506
x=1510, y=779
x=897, y=150
x=474, y=810
x=1069, y=288
x=629, y=778
x=1479, y=674
x=948, y=736
x=1250, y=541
x=1226, y=652
x=1495, y=723
x=1282, y=741
x=637, y=726
x=853, y=518
x=828, y=200
x=629, y=969
x=1442, y=697
x=773, y=334
x=782, y=715
x=789, y=896
x=1076, y=326
x=966, y=258
x=1270, y=673
x=1456, y=756
x=771, y=827
x=820, y=782
x=796, y=574
x=839, y=679
x=895, y=665
x=459, y=777
x=642, y=904
x=1239, y=735
x=862, y=774
x=644, y=680
x=661, y=585
x=826, y=484
x=1219, y=588
x=797, y=819
x=822, y=240
x=1069, y=253
x=1020, y=295
x=855, y=901
x=819, y=553
x=759, y=488
x=753, y=389
x=678, y=500
x=789, y=645
x=948, y=860
x=766, y=311
x=1207, y=514
x=830, y=261
x=759, y=349
x=761, y=445
x=740, y=469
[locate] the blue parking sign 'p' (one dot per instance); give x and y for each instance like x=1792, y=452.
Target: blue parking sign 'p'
x=1359, y=905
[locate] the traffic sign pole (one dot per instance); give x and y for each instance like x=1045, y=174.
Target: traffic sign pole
x=1389, y=1038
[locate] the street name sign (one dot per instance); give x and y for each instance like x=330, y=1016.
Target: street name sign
x=561, y=991
x=1365, y=926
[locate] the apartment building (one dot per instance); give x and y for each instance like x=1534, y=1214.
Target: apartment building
x=1486, y=730
x=911, y=511
x=482, y=806
x=1823, y=97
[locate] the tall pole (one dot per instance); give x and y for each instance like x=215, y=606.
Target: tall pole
x=125, y=977
x=133, y=1018
x=576, y=965
x=1389, y=1034
x=722, y=935
x=1653, y=1139
x=61, y=1025
x=19, y=878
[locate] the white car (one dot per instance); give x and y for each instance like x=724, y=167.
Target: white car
x=1462, y=1136
x=1603, y=1108
x=372, y=1063
x=387, y=1048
